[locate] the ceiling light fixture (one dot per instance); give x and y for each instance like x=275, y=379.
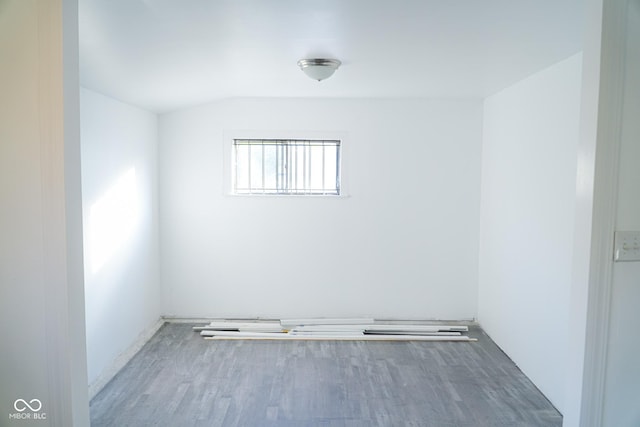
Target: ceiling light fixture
x=319, y=68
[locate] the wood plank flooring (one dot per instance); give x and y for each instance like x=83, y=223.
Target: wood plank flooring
x=180, y=379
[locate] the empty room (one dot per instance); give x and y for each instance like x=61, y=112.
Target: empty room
x=329, y=213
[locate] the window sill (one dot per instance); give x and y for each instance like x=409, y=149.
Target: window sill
x=289, y=196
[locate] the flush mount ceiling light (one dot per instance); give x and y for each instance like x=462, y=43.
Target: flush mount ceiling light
x=319, y=68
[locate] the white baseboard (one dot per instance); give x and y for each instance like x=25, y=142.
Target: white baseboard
x=204, y=319
x=108, y=373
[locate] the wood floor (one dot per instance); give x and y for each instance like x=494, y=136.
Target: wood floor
x=178, y=379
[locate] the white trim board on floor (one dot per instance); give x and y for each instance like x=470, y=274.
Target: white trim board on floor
x=372, y=328
x=326, y=321
x=394, y=321
x=241, y=326
x=383, y=327
x=226, y=335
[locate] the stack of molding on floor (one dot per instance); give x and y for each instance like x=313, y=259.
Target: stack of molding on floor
x=332, y=329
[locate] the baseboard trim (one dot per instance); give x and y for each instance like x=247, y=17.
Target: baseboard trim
x=123, y=358
x=184, y=319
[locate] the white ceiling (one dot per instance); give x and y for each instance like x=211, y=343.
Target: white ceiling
x=164, y=55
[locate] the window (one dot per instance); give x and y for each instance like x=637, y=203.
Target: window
x=289, y=166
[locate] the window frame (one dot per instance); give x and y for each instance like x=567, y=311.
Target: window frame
x=228, y=167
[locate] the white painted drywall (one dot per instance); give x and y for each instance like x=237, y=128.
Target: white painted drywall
x=119, y=187
x=622, y=380
x=404, y=244
x=527, y=220
x=42, y=353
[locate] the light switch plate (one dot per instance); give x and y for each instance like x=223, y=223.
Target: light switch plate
x=626, y=246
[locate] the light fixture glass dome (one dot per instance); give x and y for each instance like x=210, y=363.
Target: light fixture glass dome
x=319, y=68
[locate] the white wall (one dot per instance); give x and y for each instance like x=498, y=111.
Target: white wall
x=42, y=353
x=119, y=179
x=527, y=220
x=403, y=244
x=622, y=382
